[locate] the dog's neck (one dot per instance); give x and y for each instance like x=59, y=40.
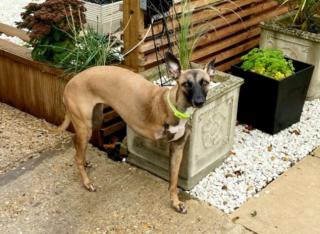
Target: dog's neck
x=179, y=101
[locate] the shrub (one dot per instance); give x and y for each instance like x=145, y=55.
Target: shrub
x=91, y=49
x=268, y=62
x=49, y=24
x=304, y=15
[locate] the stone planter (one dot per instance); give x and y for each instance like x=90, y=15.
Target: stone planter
x=295, y=44
x=104, y=18
x=210, y=141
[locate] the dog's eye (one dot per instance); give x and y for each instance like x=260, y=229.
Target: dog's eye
x=186, y=84
x=204, y=82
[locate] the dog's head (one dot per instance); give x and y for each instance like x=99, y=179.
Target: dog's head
x=194, y=83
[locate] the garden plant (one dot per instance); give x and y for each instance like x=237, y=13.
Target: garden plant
x=268, y=62
x=56, y=29
x=49, y=24
x=304, y=16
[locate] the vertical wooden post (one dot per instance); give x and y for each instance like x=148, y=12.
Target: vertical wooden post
x=136, y=24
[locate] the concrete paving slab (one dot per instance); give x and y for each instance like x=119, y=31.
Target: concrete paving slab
x=291, y=207
x=316, y=152
x=48, y=197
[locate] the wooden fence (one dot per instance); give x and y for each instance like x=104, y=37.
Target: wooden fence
x=232, y=29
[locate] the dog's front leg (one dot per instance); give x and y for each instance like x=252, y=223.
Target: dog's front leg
x=176, y=153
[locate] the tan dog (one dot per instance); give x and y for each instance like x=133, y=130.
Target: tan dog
x=142, y=105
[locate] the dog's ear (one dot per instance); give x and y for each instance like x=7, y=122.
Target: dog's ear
x=173, y=66
x=210, y=68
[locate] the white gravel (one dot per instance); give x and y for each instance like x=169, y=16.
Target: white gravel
x=257, y=158
x=15, y=40
x=10, y=12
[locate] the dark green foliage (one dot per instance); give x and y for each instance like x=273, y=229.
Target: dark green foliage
x=91, y=49
x=49, y=24
x=304, y=16
x=269, y=62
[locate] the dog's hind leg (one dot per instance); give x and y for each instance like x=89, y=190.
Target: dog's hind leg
x=81, y=118
x=97, y=116
x=82, y=139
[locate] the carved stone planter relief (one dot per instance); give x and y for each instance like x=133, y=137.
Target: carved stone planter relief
x=210, y=141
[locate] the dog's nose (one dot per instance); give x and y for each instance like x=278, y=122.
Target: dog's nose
x=198, y=102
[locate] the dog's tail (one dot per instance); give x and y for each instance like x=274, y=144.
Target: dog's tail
x=62, y=127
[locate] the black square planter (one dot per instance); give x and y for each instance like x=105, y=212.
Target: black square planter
x=271, y=105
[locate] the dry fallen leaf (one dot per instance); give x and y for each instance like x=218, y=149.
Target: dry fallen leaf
x=250, y=128
x=235, y=219
x=273, y=158
x=295, y=132
x=238, y=173
x=254, y=214
x=270, y=148
x=224, y=187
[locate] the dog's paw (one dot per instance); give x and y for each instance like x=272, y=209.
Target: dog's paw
x=180, y=208
x=90, y=187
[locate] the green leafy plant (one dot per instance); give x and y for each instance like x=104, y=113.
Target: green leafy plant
x=48, y=24
x=305, y=11
x=90, y=49
x=268, y=62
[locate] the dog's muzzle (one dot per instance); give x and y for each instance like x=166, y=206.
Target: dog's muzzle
x=198, y=102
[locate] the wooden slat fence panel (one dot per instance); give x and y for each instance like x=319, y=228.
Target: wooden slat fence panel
x=226, y=38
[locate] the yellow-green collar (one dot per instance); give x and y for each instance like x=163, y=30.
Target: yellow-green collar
x=176, y=112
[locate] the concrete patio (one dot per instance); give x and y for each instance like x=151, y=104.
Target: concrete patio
x=44, y=194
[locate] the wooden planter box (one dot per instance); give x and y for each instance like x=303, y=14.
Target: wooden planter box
x=272, y=105
x=36, y=88
x=209, y=143
x=104, y=18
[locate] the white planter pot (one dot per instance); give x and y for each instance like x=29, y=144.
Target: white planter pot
x=296, y=44
x=104, y=18
x=210, y=141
